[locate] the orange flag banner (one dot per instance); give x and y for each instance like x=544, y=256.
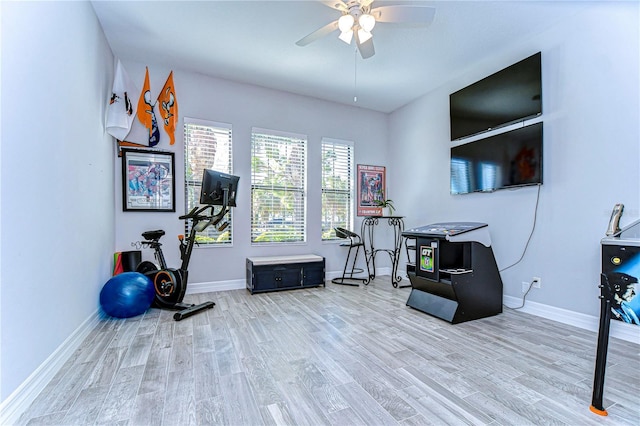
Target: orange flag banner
x=169, y=108
x=146, y=115
x=145, y=109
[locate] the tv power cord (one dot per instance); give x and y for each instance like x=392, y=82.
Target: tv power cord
x=523, y=298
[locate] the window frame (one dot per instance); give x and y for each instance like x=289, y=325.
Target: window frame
x=226, y=129
x=279, y=225
x=349, y=161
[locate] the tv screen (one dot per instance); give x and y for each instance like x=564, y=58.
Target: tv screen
x=213, y=185
x=505, y=160
x=508, y=96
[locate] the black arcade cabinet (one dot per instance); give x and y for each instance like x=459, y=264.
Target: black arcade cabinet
x=455, y=276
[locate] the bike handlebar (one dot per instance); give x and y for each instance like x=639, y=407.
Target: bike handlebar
x=203, y=221
x=190, y=215
x=195, y=214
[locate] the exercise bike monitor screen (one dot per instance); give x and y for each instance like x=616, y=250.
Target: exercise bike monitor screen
x=213, y=185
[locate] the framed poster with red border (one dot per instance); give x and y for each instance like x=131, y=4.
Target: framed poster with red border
x=371, y=188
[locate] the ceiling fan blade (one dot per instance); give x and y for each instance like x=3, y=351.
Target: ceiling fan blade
x=365, y=3
x=336, y=4
x=319, y=33
x=404, y=14
x=366, y=48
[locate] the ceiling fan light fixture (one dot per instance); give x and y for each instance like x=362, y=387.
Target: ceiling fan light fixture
x=345, y=23
x=367, y=22
x=346, y=36
x=364, y=35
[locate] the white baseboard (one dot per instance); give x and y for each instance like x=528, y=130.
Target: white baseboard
x=195, y=288
x=17, y=403
x=379, y=273
x=619, y=330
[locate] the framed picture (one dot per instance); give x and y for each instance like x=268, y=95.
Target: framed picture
x=371, y=187
x=148, y=183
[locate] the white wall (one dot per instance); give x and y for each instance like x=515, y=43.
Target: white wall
x=245, y=106
x=57, y=179
x=591, y=156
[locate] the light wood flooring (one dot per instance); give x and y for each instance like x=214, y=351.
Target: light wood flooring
x=336, y=356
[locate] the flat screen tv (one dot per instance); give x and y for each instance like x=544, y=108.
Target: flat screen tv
x=510, y=95
x=213, y=185
x=506, y=160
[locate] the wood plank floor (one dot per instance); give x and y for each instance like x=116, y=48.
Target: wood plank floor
x=337, y=356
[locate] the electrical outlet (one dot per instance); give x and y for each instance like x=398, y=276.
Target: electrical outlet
x=535, y=282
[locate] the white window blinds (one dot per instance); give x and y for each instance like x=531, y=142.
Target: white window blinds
x=278, y=186
x=207, y=145
x=337, y=186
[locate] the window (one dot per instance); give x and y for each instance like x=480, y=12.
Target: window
x=278, y=186
x=207, y=145
x=337, y=186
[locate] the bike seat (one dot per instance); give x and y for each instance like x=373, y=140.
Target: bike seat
x=153, y=235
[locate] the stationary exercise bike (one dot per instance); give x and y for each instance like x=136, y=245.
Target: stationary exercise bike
x=171, y=284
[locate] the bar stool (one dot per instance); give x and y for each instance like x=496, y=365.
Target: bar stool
x=354, y=242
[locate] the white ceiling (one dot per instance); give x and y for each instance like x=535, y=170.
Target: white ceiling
x=254, y=42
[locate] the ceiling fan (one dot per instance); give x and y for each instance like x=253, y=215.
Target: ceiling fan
x=359, y=18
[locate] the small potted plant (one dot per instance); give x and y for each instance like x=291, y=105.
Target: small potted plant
x=386, y=204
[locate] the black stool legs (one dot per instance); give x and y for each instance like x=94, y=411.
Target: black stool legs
x=355, y=242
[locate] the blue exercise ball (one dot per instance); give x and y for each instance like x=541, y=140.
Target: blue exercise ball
x=126, y=295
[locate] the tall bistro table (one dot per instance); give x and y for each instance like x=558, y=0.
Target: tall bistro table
x=369, y=224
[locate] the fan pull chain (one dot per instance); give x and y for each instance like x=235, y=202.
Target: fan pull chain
x=355, y=75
